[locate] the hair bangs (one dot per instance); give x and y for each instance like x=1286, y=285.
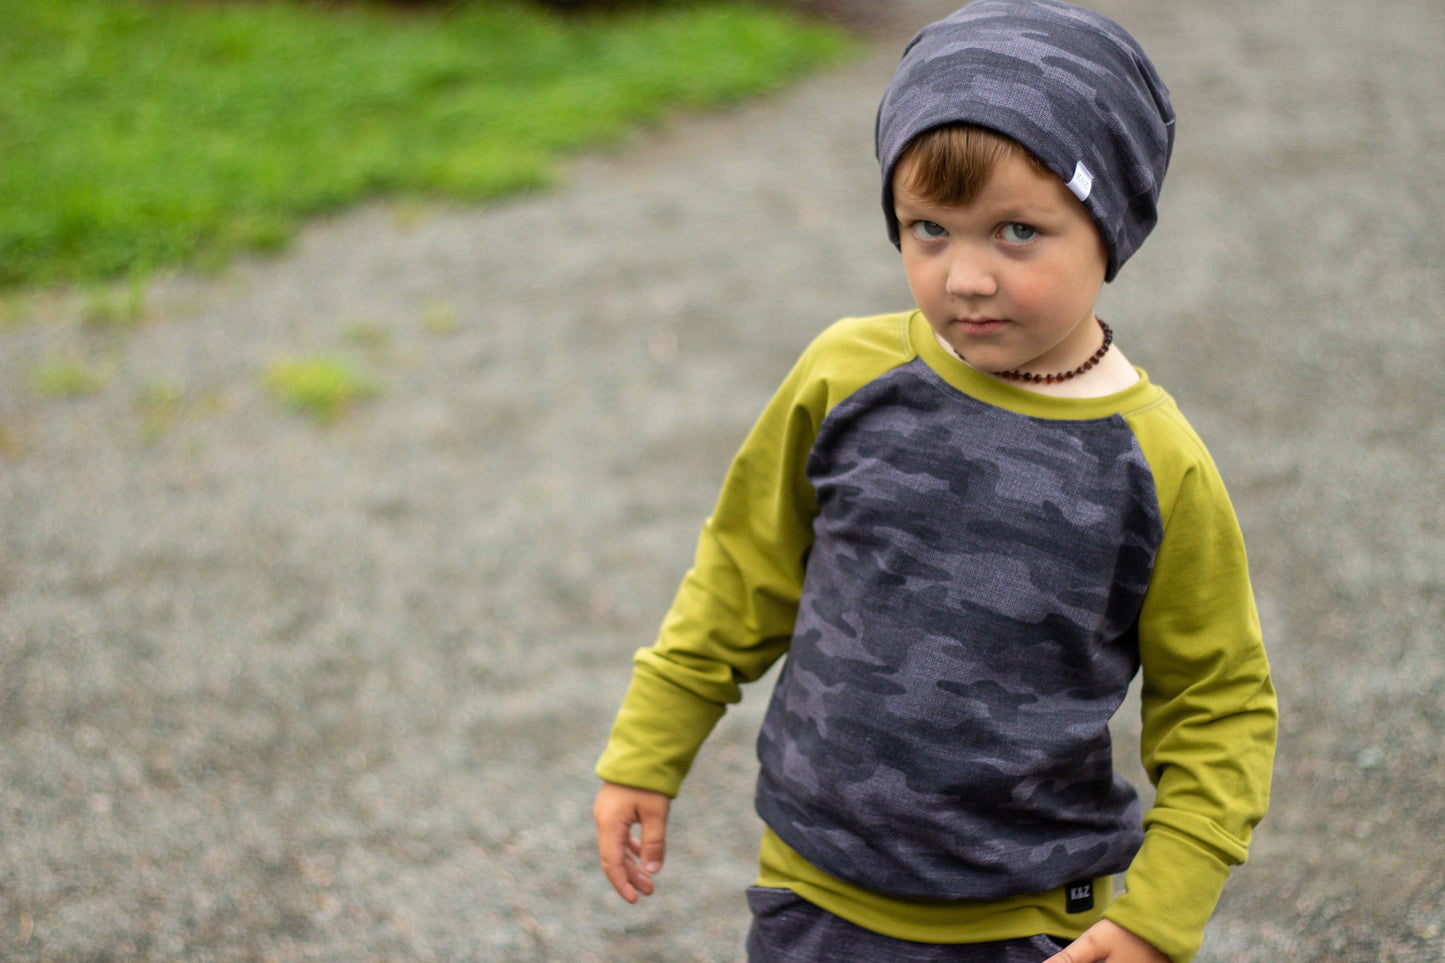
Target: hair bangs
x=950, y=165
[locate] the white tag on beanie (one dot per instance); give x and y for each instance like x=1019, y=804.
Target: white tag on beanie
x=1082, y=183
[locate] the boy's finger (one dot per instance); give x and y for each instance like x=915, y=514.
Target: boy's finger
x=615, y=863
x=635, y=880
x=653, y=847
x=639, y=878
x=1078, y=951
x=614, y=842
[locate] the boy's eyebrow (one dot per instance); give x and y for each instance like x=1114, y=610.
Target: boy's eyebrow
x=1008, y=209
x=903, y=207
x=914, y=204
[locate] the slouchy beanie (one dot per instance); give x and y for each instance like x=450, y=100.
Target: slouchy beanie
x=1069, y=84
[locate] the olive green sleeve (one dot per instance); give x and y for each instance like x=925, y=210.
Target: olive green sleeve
x=1208, y=706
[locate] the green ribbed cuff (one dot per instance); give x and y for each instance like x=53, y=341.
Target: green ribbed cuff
x=657, y=734
x=1172, y=888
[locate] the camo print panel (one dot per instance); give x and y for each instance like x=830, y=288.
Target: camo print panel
x=966, y=631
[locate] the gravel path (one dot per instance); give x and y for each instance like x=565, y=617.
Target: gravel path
x=273, y=690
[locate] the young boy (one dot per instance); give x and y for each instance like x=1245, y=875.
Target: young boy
x=968, y=526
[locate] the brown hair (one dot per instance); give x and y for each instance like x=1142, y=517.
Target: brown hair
x=949, y=165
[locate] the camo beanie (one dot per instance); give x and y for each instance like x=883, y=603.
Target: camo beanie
x=1067, y=83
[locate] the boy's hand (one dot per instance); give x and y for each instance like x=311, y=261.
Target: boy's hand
x=1108, y=941
x=630, y=862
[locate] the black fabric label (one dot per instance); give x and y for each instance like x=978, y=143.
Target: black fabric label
x=1079, y=897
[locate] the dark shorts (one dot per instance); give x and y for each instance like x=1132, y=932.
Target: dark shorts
x=788, y=929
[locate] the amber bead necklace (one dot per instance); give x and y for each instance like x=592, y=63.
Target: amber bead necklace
x=1049, y=379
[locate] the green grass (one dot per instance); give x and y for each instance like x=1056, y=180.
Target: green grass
x=65, y=378
x=158, y=404
x=322, y=388
x=115, y=306
x=136, y=134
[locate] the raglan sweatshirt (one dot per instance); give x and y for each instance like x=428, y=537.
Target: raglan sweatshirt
x=965, y=576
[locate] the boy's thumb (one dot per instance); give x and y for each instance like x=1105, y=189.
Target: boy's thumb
x=653, y=851
x=654, y=844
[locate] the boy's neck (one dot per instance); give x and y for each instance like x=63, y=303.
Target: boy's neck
x=1111, y=375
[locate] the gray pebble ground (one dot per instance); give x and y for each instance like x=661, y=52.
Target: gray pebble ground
x=271, y=690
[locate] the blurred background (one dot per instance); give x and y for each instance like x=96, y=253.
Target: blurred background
x=366, y=371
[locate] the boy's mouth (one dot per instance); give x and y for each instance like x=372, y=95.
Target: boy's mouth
x=980, y=326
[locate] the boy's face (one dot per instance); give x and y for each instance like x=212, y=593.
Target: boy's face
x=1008, y=280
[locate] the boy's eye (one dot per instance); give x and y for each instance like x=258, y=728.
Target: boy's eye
x=1018, y=233
x=929, y=230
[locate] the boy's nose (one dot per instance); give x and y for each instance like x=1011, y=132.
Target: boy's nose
x=970, y=276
